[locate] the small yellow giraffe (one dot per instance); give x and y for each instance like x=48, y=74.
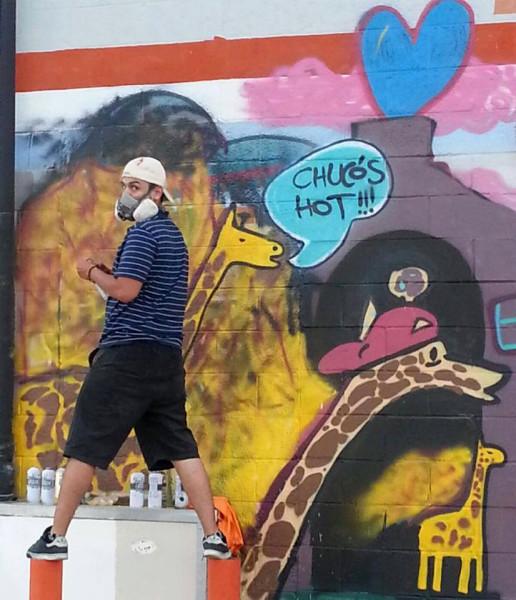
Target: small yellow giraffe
x=233, y=245
x=459, y=534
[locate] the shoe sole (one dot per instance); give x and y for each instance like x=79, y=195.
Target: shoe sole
x=218, y=555
x=39, y=556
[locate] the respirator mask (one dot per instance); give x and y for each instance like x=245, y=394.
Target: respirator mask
x=128, y=208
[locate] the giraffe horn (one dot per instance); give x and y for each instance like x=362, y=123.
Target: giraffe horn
x=369, y=317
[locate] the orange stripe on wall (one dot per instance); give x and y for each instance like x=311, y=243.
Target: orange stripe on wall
x=172, y=63
x=215, y=59
x=503, y=7
x=494, y=43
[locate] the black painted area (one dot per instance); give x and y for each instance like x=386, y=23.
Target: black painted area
x=332, y=312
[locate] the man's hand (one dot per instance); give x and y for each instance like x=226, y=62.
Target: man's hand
x=83, y=267
x=123, y=289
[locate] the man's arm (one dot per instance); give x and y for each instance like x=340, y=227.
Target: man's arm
x=133, y=267
x=123, y=289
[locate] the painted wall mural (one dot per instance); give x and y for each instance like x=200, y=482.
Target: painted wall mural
x=349, y=335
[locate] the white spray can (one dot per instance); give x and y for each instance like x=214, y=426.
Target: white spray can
x=180, y=495
x=136, y=492
x=155, y=497
x=48, y=486
x=33, y=485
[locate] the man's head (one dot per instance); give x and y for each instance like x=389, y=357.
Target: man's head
x=143, y=182
x=145, y=177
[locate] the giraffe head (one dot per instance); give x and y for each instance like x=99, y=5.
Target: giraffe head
x=403, y=348
x=431, y=367
x=490, y=455
x=243, y=246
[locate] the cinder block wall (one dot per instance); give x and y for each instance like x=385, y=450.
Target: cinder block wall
x=345, y=181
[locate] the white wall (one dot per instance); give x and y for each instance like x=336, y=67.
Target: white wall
x=45, y=25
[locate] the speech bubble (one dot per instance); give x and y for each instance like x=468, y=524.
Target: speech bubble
x=316, y=200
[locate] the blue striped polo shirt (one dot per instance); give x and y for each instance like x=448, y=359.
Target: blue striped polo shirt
x=153, y=252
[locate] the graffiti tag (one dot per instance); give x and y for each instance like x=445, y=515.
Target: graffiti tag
x=505, y=324
x=317, y=199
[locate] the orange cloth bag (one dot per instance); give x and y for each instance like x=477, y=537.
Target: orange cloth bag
x=227, y=522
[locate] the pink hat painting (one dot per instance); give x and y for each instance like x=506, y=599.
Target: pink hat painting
x=392, y=333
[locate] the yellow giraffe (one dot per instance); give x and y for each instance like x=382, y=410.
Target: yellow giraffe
x=233, y=245
x=459, y=534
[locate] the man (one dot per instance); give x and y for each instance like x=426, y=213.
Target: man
x=136, y=376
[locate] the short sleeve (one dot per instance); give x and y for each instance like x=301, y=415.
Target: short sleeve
x=138, y=254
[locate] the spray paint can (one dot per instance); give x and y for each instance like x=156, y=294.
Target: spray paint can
x=136, y=492
x=59, y=481
x=34, y=485
x=180, y=495
x=48, y=486
x=155, y=497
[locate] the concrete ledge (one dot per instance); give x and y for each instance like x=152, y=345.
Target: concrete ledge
x=114, y=513
x=133, y=553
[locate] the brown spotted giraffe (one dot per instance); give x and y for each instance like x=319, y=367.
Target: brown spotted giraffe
x=233, y=245
x=367, y=394
x=459, y=534
x=48, y=403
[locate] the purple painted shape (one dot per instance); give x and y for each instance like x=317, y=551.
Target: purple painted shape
x=499, y=431
x=491, y=184
x=494, y=258
x=501, y=571
x=501, y=530
x=501, y=492
x=459, y=214
x=427, y=199
x=504, y=408
x=300, y=575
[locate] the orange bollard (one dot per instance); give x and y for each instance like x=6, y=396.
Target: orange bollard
x=46, y=580
x=223, y=579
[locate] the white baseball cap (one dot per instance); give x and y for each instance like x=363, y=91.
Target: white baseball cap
x=150, y=170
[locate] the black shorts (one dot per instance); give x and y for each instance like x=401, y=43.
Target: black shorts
x=138, y=385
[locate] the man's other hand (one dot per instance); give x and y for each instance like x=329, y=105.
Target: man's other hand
x=83, y=267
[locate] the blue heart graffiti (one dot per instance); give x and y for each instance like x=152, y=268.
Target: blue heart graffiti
x=406, y=74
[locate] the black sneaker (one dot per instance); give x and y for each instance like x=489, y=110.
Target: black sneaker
x=49, y=547
x=216, y=546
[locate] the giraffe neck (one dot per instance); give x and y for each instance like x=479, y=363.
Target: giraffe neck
x=204, y=287
x=365, y=395
x=211, y=272
x=475, y=499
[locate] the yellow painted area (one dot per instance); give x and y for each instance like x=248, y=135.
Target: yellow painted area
x=411, y=485
x=251, y=391
x=251, y=394
x=73, y=218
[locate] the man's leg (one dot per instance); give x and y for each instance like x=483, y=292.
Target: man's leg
x=76, y=482
x=195, y=481
x=52, y=545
